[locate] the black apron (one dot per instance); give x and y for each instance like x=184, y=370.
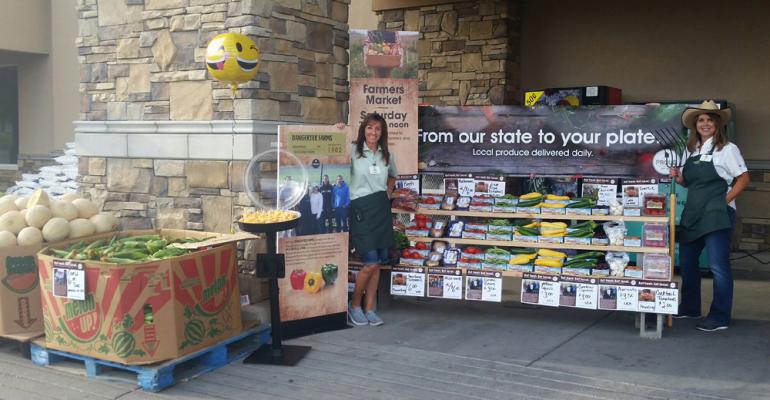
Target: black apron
x=706, y=208
x=371, y=224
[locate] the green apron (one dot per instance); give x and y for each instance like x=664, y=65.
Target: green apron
x=706, y=208
x=371, y=223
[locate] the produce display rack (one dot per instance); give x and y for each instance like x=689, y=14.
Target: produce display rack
x=641, y=317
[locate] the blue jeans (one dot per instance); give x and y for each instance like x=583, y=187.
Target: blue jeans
x=379, y=256
x=717, y=244
x=341, y=218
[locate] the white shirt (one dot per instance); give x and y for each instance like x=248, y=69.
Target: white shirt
x=316, y=204
x=728, y=162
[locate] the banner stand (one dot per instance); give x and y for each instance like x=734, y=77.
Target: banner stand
x=272, y=266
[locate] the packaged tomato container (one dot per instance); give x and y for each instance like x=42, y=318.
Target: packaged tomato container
x=657, y=267
x=655, y=235
x=654, y=204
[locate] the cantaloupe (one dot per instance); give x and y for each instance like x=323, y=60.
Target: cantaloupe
x=29, y=236
x=56, y=229
x=81, y=227
x=104, y=222
x=38, y=197
x=37, y=216
x=64, y=209
x=86, y=208
x=7, y=239
x=12, y=221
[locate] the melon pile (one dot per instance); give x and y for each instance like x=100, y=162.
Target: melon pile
x=26, y=221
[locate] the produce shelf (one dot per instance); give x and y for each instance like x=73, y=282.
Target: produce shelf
x=513, y=243
x=482, y=214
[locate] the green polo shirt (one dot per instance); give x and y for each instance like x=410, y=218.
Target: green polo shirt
x=362, y=182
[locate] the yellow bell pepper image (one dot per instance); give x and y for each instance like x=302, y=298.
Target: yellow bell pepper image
x=314, y=282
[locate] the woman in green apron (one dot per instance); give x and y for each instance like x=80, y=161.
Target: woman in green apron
x=714, y=174
x=373, y=173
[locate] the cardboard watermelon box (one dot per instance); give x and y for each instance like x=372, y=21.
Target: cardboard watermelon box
x=20, y=310
x=147, y=312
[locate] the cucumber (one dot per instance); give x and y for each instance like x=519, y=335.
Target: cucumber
x=572, y=262
x=589, y=254
x=526, y=231
x=529, y=203
x=522, y=250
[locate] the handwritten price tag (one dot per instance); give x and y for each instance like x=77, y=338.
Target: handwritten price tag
x=549, y=294
x=586, y=296
x=496, y=188
x=628, y=298
x=667, y=301
x=411, y=184
x=465, y=187
x=453, y=287
x=405, y=282
x=492, y=290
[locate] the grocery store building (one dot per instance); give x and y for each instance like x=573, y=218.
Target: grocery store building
x=162, y=144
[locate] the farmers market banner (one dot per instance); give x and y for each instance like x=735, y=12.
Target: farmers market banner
x=618, y=141
x=383, y=79
x=316, y=251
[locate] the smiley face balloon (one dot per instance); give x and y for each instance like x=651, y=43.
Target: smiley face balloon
x=232, y=58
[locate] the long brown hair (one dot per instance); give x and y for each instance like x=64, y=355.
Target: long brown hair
x=383, y=142
x=720, y=137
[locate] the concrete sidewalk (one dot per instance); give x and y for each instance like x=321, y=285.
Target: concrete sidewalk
x=439, y=349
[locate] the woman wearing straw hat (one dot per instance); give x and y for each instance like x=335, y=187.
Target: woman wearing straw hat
x=715, y=174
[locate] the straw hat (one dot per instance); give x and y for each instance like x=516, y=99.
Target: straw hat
x=690, y=114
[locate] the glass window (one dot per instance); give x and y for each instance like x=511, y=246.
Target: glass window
x=9, y=116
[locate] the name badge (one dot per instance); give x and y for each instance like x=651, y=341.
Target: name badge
x=706, y=157
x=374, y=170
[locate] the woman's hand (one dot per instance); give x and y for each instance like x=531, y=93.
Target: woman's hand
x=676, y=174
x=340, y=125
x=741, y=182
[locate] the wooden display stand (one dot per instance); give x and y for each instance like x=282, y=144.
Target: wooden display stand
x=640, y=318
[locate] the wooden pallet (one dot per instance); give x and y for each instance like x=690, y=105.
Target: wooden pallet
x=23, y=340
x=156, y=377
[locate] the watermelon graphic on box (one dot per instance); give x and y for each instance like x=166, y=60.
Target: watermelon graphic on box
x=20, y=310
x=146, y=312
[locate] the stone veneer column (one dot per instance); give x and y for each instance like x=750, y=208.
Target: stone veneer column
x=163, y=145
x=469, y=51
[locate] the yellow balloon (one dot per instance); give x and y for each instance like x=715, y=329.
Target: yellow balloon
x=232, y=58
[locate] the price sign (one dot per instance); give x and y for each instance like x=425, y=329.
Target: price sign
x=465, y=187
x=587, y=296
x=410, y=182
x=628, y=298
x=406, y=281
x=549, y=294
x=635, y=189
x=69, y=279
x=667, y=301
x=605, y=189
x=353, y=271
x=647, y=298
x=489, y=185
x=445, y=283
x=608, y=297
x=484, y=285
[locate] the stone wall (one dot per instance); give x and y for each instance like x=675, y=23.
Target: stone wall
x=469, y=51
x=144, y=59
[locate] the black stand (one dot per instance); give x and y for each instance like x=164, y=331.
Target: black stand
x=272, y=266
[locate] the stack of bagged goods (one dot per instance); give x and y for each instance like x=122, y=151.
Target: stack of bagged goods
x=56, y=180
x=30, y=221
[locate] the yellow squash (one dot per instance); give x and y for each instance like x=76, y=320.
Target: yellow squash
x=551, y=253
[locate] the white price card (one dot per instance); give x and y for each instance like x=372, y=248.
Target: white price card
x=549, y=293
x=353, y=271
x=628, y=298
x=606, y=190
x=489, y=185
x=646, y=299
x=635, y=189
x=465, y=187
x=410, y=182
x=69, y=279
x=587, y=296
x=407, y=281
x=484, y=285
x=445, y=283
x=608, y=297
x=667, y=301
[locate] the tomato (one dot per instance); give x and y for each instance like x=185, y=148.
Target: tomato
x=405, y=253
x=415, y=255
x=421, y=246
x=421, y=217
x=472, y=250
x=430, y=200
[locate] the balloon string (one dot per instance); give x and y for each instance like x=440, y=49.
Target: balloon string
x=233, y=88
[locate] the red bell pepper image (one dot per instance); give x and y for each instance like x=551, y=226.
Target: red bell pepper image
x=297, y=279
